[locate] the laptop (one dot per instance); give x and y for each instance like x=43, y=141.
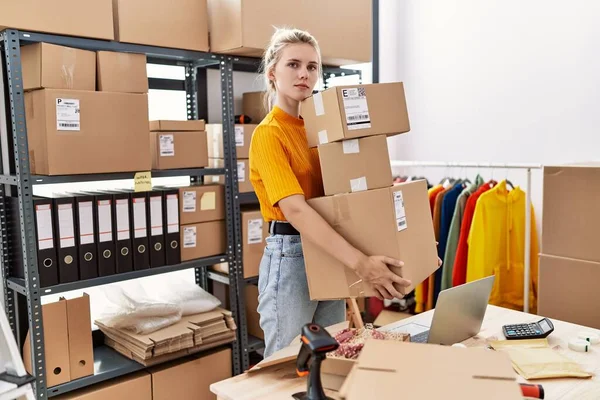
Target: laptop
x=458, y=315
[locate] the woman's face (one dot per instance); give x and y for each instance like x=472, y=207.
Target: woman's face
x=297, y=71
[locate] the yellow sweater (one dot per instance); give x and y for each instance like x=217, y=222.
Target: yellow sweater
x=497, y=246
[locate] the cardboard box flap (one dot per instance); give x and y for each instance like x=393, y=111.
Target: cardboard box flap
x=290, y=352
x=470, y=372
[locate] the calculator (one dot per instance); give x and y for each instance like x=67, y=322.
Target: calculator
x=535, y=330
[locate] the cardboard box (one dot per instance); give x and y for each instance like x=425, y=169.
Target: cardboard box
x=254, y=232
x=191, y=379
x=394, y=222
x=348, y=112
x=81, y=350
x=203, y=240
x=180, y=24
x=355, y=165
x=243, y=171
x=177, y=126
x=387, y=317
x=253, y=105
x=201, y=204
x=91, y=19
x=567, y=287
x=469, y=372
x=51, y=66
x=571, y=215
x=135, y=386
x=122, y=72
x=97, y=132
x=243, y=135
x=343, y=28
x=252, y=315
x=56, y=348
x=173, y=150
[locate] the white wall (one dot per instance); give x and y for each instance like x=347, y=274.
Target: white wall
x=495, y=81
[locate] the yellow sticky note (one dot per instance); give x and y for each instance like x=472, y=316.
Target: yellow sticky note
x=208, y=201
x=143, y=181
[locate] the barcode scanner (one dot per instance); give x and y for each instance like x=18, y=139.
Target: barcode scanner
x=316, y=343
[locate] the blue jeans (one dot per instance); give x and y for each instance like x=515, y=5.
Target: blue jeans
x=284, y=304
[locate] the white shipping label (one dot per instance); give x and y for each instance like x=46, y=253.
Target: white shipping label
x=216, y=179
x=358, y=184
x=239, y=136
x=318, y=100
x=66, y=227
x=86, y=222
x=323, y=139
x=122, y=219
x=400, y=211
x=172, y=213
x=241, y=170
x=255, y=231
x=355, y=106
x=351, y=146
x=67, y=115
x=104, y=220
x=156, y=219
x=43, y=214
x=189, y=236
x=139, y=217
x=216, y=147
x=189, y=201
x=167, y=145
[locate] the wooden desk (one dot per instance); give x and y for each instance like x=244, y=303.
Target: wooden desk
x=280, y=382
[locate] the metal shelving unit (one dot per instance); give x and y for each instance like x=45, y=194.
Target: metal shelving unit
x=22, y=297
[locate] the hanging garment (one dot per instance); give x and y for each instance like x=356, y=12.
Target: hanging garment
x=437, y=216
x=421, y=291
x=459, y=272
x=454, y=232
x=496, y=246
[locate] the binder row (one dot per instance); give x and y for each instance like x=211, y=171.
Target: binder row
x=85, y=235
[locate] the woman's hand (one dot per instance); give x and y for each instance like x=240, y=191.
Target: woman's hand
x=375, y=272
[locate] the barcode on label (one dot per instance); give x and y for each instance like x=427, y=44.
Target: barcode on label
x=401, y=223
x=358, y=117
x=65, y=125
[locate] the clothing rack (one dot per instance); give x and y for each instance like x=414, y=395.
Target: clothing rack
x=528, y=168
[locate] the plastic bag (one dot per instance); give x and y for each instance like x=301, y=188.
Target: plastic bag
x=190, y=297
x=133, y=310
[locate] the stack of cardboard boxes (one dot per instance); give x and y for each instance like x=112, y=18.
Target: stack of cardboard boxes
x=74, y=129
x=178, y=144
x=569, y=269
x=349, y=126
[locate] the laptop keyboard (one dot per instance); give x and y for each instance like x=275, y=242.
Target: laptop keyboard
x=420, y=338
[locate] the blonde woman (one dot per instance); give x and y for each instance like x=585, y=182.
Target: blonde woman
x=285, y=173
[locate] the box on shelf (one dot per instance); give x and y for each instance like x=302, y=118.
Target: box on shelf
x=179, y=380
x=254, y=232
x=178, y=144
x=240, y=27
x=571, y=189
x=51, y=66
x=81, y=132
x=181, y=24
x=253, y=105
x=243, y=135
x=201, y=203
x=394, y=222
x=355, y=165
x=221, y=267
x=81, y=351
x=202, y=240
x=135, y=386
x=243, y=171
x=349, y=112
x=90, y=19
x=567, y=287
x=122, y=72
x=252, y=315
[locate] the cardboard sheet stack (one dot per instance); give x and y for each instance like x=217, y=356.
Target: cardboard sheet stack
x=349, y=126
x=192, y=334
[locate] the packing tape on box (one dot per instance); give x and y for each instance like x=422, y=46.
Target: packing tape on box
x=355, y=285
x=341, y=210
x=69, y=58
x=318, y=101
x=351, y=146
x=323, y=139
x=358, y=184
x=580, y=345
x=591, y=337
